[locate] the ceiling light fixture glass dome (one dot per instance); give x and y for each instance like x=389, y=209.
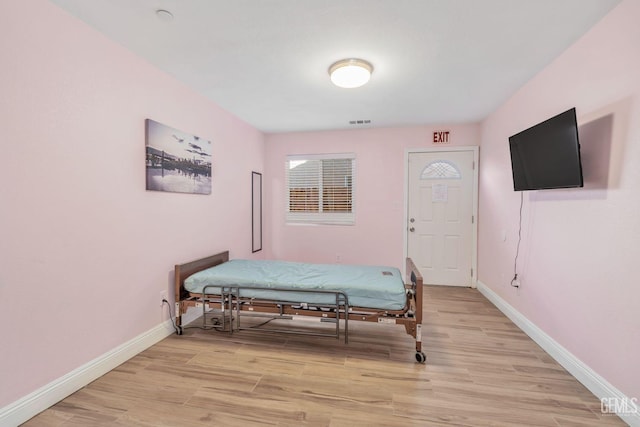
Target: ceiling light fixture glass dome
x=350, y=73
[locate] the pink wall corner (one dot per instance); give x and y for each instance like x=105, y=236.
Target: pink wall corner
x=579, y=247
x=377, y=236
x=84, y=250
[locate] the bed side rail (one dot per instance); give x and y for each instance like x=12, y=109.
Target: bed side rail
x=233, y=304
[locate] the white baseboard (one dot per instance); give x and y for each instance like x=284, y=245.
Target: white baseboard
x=29, y=406
x=597, y=385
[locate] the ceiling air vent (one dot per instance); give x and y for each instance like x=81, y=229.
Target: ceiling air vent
x=359, y=122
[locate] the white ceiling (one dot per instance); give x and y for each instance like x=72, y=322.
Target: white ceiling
x=266, y=61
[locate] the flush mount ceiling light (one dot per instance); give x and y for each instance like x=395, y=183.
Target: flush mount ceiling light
x=350, y=73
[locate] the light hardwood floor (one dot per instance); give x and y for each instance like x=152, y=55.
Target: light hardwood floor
x=481, y=370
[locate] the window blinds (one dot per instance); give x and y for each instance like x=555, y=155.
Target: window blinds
x=320, y=189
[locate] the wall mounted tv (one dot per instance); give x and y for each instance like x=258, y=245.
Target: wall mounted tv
x=547, y=155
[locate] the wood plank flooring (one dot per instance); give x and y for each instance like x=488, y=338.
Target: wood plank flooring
x=481, y=370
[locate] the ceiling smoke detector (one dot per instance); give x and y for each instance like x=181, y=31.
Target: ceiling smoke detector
x=164, y=15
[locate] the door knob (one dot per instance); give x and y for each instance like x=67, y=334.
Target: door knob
x=412, y=229
x=412, y=220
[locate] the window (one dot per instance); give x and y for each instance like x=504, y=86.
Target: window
x=441, y=169
x=320, y=189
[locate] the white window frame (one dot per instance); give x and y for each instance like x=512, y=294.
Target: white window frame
x=327, y=218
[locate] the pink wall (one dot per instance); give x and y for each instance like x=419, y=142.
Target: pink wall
x=377, y=236
x=84, y=250
x=580, y=247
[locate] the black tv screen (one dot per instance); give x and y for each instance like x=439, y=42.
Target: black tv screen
x=547, y=155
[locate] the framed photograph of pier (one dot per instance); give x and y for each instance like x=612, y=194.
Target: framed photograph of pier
x=176, y=161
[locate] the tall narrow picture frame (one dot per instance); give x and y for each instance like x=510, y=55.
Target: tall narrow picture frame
x=256, y=211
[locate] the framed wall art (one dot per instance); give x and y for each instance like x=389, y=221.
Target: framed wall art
x=176, y=161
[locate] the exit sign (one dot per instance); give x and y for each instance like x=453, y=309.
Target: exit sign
x=441, y=137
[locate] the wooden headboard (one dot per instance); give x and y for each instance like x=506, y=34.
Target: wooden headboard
x=182, y=271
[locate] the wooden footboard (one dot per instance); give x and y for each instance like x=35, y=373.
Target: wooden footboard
x=413, y=325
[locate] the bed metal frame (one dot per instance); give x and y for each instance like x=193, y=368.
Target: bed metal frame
x=228, y=306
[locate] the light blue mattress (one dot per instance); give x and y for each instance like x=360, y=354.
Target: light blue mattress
x=365, y=286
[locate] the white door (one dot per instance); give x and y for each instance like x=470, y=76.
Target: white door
x=440, y=223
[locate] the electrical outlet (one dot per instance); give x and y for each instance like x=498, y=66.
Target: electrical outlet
x=163, y=296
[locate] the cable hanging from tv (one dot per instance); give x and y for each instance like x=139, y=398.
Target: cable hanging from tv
x=514, y=281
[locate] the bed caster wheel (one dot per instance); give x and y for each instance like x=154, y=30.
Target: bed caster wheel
x=420, y=357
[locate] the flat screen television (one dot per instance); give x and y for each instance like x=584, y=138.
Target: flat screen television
x=547, y=155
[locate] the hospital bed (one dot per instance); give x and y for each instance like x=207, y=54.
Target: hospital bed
x=229, y=292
